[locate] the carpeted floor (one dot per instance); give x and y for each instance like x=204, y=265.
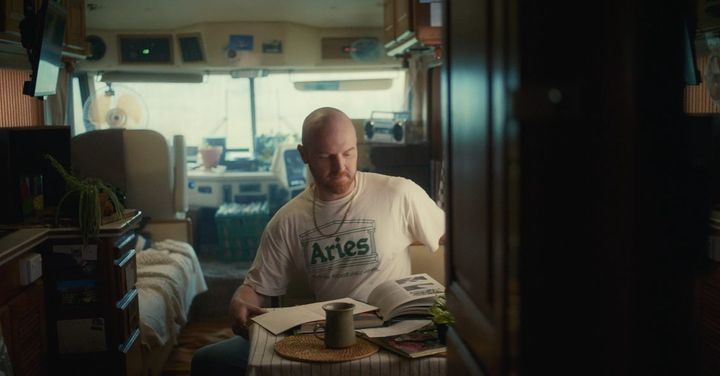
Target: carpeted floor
x=209, y=321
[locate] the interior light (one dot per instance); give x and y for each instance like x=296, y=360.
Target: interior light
x=146, y=51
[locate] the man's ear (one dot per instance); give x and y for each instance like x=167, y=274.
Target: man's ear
x=301, y=150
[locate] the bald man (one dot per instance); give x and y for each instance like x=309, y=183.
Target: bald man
x=348, y=232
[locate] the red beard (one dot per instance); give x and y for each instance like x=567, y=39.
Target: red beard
x=336, y=184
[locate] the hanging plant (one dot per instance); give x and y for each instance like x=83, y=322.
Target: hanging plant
x=95, y=200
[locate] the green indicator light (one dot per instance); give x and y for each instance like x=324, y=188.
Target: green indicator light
x=146, y=51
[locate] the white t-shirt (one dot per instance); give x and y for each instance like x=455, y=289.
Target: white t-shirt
x=347, y=258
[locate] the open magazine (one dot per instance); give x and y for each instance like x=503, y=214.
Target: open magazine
x=411, y=295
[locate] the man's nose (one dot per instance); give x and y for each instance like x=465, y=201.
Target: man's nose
x=337, y=163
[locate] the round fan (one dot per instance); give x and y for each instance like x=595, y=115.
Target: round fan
x=115, y=107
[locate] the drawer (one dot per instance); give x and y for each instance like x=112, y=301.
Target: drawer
x=131, y=355
x=125, y=270
x=128, y=315
x=124, y=244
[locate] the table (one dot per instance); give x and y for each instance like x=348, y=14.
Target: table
x=264, y=361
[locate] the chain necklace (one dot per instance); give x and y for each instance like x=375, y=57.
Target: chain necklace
x=342, y=222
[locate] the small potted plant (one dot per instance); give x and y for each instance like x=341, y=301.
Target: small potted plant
x=95, y=200
x=441, y=317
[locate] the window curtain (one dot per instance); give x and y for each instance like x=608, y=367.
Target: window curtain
x=16, y=109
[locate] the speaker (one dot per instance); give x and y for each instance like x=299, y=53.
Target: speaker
x=97, y=47
x=191, y=48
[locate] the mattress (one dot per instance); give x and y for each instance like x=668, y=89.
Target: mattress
x=169, y=277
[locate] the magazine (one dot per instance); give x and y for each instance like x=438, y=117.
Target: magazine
x=411, y=295
x=361, y=321
x=422, y=341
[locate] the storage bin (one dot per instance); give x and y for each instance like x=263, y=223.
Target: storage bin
x=239, y=228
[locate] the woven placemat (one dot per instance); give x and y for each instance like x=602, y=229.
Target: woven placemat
x=308, y=348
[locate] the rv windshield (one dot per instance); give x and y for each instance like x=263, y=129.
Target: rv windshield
x=220, y=106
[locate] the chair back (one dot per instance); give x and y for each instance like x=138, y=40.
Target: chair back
x=139, y=162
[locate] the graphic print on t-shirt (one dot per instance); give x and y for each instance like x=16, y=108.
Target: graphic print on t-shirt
x=348, y=253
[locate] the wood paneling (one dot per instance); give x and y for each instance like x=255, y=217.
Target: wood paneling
x=16, y=109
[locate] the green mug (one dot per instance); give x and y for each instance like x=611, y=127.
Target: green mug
x=339, y=327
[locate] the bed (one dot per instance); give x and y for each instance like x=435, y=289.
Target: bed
x=169, y=277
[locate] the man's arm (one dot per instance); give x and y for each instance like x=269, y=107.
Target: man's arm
x=245, y=304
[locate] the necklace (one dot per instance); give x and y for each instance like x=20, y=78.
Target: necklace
x=342, y=222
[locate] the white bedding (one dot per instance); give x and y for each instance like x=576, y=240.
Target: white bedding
x=168, y=279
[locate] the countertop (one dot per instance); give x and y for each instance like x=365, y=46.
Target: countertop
x=23, y=239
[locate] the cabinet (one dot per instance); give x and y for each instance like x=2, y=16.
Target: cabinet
x=91, y=301
x=411, y=23
x=75, y=26
x=12, y=15
x=22, y=320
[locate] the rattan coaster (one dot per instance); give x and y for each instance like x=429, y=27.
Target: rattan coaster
x=308, y=348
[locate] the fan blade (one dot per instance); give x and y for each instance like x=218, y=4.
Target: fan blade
x=133, y=110
x=98, y=107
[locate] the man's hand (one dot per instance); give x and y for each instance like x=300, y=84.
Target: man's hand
x=245, y=304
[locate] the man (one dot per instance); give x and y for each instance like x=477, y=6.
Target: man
x=348, y=232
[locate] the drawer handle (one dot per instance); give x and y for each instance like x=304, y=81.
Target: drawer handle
x=127, y=345
x=127, y=299
x=124, y=259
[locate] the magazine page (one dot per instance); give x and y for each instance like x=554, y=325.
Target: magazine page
x=420, y=342
x=280, y=320
x=360, y=320
x=395, y=297
x=396, y=329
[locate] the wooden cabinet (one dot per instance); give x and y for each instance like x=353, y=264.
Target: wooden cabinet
x=12, y=15
x=92, y=304
x=411, y=23
x=23, y=329
x=22, y=320
x=75, y=26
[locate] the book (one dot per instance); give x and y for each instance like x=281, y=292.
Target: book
x=406, y=296
x=361, y=321
x=422, y=341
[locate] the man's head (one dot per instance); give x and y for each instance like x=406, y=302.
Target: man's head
x=329, y=148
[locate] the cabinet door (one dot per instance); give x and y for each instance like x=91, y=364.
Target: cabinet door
x=403, y=19
x=75, y=25
x=389, y=22
x=27, y=322
x=482, y=224
x=13, y=14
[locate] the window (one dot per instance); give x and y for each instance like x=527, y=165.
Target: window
x=220, y=106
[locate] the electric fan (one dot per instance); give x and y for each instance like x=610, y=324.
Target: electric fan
x=115, y=106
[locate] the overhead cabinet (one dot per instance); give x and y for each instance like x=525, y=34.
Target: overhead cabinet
x=75, y=26
x=411, y=24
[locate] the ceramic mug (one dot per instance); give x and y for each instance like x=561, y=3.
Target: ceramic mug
x=339, y=325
